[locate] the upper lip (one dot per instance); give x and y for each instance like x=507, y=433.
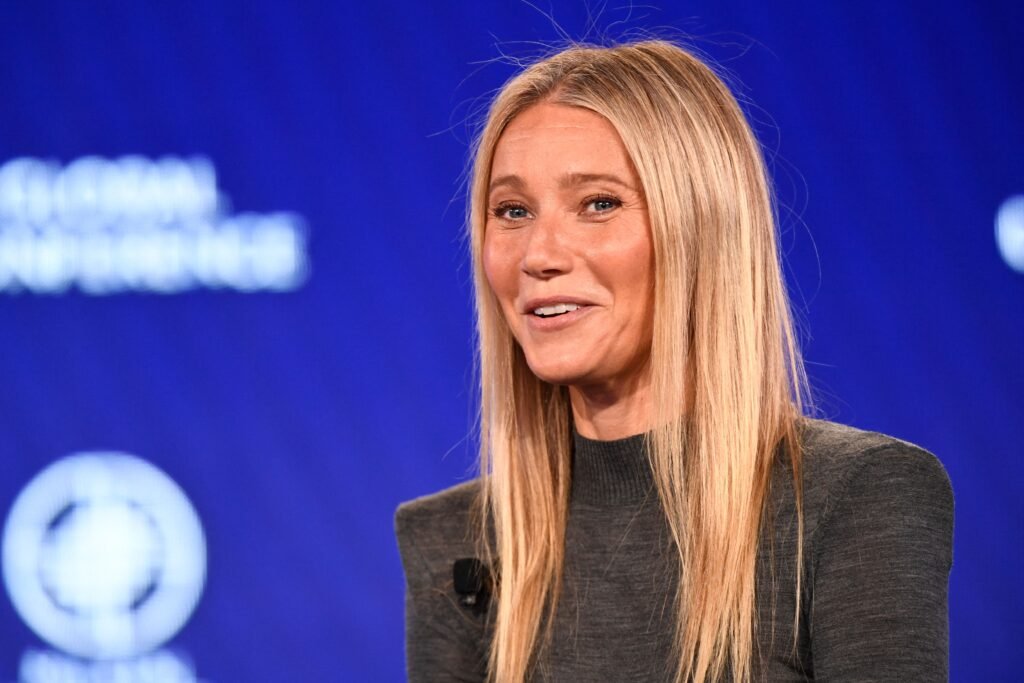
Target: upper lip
x=533, y=304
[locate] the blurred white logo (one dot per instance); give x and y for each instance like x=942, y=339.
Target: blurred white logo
x=103, y=556
x=135, y=224
x=1010, y=232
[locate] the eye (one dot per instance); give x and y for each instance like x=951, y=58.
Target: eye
x=510, y=211
x=601, y=204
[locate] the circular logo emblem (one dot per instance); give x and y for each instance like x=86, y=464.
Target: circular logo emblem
x=103, y=556
x=1010, y=232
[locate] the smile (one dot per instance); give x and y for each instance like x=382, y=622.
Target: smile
x=557, y=309
x=556, y=317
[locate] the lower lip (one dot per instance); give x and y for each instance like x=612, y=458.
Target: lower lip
x=556, y=322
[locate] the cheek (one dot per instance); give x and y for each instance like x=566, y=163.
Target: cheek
x=627, y=263
x=501, y=272
x=499, y=269
x=633, y=270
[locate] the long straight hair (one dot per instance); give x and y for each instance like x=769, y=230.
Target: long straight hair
x=727, y=378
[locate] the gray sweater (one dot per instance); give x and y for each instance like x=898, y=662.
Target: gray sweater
x=878, y=544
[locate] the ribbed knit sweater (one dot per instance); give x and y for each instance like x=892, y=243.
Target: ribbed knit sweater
x=878, y=551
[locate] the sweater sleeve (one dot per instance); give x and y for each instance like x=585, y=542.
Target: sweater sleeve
x=880, y=572
x=442, y=639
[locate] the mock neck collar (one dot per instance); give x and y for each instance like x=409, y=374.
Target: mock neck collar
x=610, y=473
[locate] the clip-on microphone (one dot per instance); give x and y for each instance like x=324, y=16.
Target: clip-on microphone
x=473, y=584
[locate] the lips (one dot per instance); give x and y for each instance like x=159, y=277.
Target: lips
x=553, y=305
x=555, y=313
x=557, y=309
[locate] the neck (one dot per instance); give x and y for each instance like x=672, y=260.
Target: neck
x=605, y=412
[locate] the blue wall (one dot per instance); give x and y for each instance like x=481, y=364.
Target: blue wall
x=297, y=420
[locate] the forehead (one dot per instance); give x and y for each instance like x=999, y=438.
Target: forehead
x=557, y=138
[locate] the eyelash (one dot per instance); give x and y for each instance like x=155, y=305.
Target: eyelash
x=499, y=210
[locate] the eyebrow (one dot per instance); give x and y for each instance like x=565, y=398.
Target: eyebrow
x=566, y=181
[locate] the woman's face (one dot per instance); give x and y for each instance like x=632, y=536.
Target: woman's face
x=567, y=247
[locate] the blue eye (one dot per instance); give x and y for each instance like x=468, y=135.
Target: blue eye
x=510, y=211
x=602, y=204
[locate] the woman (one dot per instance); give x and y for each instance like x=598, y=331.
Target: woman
x=651, y=503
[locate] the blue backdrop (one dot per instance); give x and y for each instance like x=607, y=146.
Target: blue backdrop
x=296, y=413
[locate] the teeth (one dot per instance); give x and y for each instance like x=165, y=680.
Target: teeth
x=557, y=309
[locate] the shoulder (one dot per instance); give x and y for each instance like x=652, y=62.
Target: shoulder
x=433, y=531
x=879, y=524
x=823, y=438
x=442, y=511
x=864, y=478
x=835, y=456
x=444, y=640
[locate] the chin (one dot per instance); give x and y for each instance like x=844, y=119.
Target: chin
x=560, y=373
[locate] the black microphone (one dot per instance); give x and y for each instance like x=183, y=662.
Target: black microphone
x=473, y=584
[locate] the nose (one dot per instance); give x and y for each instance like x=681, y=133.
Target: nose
x=547, y=254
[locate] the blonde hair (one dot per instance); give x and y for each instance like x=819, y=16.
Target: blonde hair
x=727, y=379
